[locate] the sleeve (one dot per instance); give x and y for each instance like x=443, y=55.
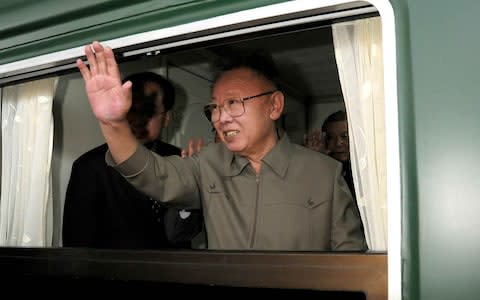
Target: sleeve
x=182, y=225
x=173, y=180
x=80, y=212
x=347, y=230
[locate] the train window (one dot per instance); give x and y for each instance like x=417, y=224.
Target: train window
x=311, y=44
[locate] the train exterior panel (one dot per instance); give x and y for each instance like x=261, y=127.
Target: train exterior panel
x=435, y=253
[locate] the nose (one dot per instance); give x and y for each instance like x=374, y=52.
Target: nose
x=224, y=116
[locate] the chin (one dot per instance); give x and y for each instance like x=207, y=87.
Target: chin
x=234, y=147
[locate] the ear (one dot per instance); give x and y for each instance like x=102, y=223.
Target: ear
x=167, y=118
x=277, y=103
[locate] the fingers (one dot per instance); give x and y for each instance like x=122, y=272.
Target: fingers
x=101, y=60
x=323, y=138
x=111, y=63
x=127, y=88
x=311, y=138
x=92, y=61
x=316, y=141
x=184, y=153
x=200, y=144
x=83, y=70
x=101, y=65
x=189, y=150
x=193, y=147
x=316, y=134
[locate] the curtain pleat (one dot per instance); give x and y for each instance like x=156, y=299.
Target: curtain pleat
x=358, y=52
x=27, y=145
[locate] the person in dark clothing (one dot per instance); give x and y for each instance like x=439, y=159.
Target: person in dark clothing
x=333, y=140
x=102, y=210
x=338, y=147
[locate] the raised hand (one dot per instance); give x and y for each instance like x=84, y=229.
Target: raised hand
x=193, y=147
x=109, y=99
x=316, y=141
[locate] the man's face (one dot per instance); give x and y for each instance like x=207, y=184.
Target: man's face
x=250, y=133
x=337, y=140
x=157, y=122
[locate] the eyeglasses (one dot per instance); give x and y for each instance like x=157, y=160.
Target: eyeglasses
x=233, y=107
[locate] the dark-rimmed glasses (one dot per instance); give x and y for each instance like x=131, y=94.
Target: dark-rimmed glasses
x=235, y=107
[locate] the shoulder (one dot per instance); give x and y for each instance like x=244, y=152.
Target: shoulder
x=298, y=154
x=216, y=152
x=94, y=155
x=318, y=170
x=316, y=159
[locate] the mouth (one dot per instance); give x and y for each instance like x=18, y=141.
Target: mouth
x=230, y=133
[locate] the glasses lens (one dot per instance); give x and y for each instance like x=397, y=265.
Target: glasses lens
x=234, y=107
x=208, y=112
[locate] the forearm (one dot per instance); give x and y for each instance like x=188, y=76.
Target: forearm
x=109, y=99
x=120, y=140
x=166, y=179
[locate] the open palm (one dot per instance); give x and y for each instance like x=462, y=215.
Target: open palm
x=109, y=99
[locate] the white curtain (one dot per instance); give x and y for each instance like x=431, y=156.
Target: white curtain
x=27, y=142
x=358, y=52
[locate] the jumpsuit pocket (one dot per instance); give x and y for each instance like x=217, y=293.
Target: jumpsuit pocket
x=292, y=223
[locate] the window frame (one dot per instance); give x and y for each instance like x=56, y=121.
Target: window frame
x=258, y=19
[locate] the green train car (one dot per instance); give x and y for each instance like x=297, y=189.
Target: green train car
x=426, y=60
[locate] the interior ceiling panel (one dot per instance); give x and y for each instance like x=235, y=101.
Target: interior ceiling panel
x=305, y=59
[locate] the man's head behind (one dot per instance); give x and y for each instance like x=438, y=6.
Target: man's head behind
x=153, y=98
x=245, y=104
x=336, y=130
